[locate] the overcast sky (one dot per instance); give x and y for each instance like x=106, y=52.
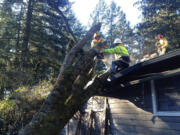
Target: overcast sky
x=83, y=8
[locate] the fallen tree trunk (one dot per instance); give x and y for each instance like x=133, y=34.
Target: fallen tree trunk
x=70, y=91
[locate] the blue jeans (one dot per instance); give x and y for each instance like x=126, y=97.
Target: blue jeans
x=121, y=64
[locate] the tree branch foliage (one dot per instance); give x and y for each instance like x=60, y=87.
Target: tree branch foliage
x=159, y=17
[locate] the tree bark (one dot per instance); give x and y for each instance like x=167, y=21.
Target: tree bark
x=27, y=34
x=70, y=91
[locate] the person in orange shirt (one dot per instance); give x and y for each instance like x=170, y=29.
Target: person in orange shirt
x=97, y=40
x=161, y=45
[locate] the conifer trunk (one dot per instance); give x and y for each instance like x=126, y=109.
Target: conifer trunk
x=26, y=37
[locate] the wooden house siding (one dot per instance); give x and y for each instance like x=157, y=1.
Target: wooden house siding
x=127, y=118
x=131, y=112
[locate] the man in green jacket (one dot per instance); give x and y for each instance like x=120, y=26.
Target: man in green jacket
x=121, y=56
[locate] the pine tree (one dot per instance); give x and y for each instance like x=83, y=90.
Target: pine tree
x=35, y=39
x=160, y=17
x=8, y=48
x=99, y=13
x=114, y=23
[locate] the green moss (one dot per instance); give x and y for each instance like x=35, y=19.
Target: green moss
x=68, y=99
x=6, y=106
x=20, y=90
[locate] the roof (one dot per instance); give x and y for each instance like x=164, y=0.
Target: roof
x=160, y=67
x=150, y=67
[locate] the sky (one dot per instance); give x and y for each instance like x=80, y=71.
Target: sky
x=83, y=9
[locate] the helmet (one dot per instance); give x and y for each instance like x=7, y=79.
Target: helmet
x=117, y=40
x=96, y=34
x=160, y=36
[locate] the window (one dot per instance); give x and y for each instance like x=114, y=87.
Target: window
x=166, y=96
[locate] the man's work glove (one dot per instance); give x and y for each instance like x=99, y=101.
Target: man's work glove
x=100, y=55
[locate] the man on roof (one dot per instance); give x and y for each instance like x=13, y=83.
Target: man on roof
x=122, y=59
x=161, y=45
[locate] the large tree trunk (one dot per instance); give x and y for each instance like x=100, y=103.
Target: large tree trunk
x=70, y=91
x=27, y=32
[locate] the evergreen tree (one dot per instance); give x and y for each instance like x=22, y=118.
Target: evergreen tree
x=39, y=34
x=8, y=41
x=159, y=17
x=113, y=15
x=114, y=23
x=99, y=13
x=35, y=36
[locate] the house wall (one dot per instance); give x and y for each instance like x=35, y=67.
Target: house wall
x=131, y=113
